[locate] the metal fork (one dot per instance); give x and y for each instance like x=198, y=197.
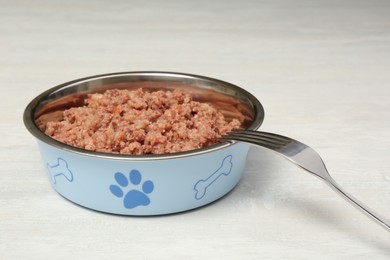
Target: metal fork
x=305, y=157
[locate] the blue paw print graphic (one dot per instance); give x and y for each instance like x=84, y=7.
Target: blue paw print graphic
x=134, y=197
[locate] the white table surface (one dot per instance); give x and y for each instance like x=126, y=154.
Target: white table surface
x=320, y=68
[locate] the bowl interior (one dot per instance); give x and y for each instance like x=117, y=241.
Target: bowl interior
x=230, y=100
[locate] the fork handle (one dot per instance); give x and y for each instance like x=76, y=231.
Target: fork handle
x=384, y=222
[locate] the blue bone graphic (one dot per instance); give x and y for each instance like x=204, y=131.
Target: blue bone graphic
x=202, y=185
x=61, y=168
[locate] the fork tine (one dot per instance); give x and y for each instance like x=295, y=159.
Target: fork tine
x=269, y=136
x=274, y=140
x=253, y=137
x=253, y=141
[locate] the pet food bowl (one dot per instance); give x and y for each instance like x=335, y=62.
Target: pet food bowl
x=143, y=184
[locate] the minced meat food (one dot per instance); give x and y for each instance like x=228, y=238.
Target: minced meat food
x=140, y=122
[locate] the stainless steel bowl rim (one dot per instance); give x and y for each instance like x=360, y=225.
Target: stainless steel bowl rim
x=28, y=118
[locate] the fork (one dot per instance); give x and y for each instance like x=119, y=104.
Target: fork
x=304, y=157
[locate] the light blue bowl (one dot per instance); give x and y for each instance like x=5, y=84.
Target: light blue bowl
x=146, y=184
